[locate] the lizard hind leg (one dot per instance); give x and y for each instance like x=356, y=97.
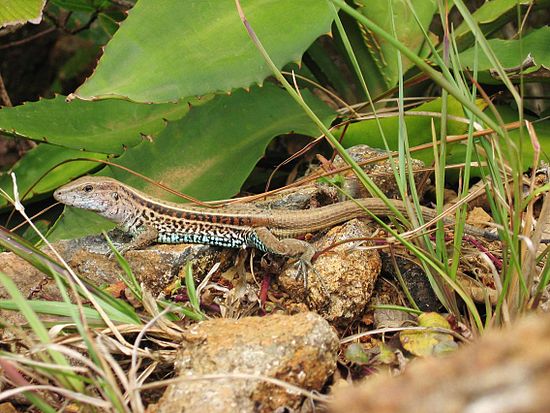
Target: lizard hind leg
x=288, y=247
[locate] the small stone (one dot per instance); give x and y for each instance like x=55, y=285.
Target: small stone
x=479, y=218
x=300, y=350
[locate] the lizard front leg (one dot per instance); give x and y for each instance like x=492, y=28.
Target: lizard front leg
x=142, y=239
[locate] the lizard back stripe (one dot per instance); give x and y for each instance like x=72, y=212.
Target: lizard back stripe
x=195, y=214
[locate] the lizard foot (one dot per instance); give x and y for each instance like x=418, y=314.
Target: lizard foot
x=304, y=268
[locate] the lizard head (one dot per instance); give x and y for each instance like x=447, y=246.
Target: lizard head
x=93, y=193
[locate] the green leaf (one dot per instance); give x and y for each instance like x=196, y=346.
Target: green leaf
x=78, y=63
x=407, y=32
x=106, y=126
x=457, y=152
x=20, y=11
x=428, y=342
x=127, y=275
x=209, y=153
x=30, y=234
x=109, y=24
x=509, y=115
x=75, y=223
x=340, y=78
x=194, y=299
x=494, y=14
x=38, y=161
x=511, y=53
x=355, y=353
x=206, y=48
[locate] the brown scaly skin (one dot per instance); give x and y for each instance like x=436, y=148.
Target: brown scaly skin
x=152, y=220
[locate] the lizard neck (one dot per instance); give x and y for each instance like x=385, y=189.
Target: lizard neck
x=124, y=211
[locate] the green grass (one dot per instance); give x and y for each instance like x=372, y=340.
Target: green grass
x=502, y=168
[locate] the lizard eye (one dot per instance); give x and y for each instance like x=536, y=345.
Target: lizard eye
x=115, y=196
x=88, y=188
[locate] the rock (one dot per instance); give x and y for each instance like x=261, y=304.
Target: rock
x=302, y=197
x=506, y=371
x=157, y=266
x=32, y=283
x=299, y=349
x=341, y=281
x=387, y=293
x=379, y=171
x=7, y=408
x=479, y=218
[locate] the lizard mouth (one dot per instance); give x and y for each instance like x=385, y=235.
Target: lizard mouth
x=62, y=197
x=57, y=195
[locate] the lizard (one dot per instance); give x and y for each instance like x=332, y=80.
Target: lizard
x=274, y=231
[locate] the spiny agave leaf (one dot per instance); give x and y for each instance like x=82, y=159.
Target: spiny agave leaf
x=418, y=128
x=106, y=126
x=210, y=152
x=37, y=162
x=383, y=54
x=169, y=49
x=494, y=14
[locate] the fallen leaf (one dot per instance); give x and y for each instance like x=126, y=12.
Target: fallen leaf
x=428, y=342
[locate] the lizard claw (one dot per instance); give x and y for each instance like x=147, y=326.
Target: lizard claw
x=302, y=268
